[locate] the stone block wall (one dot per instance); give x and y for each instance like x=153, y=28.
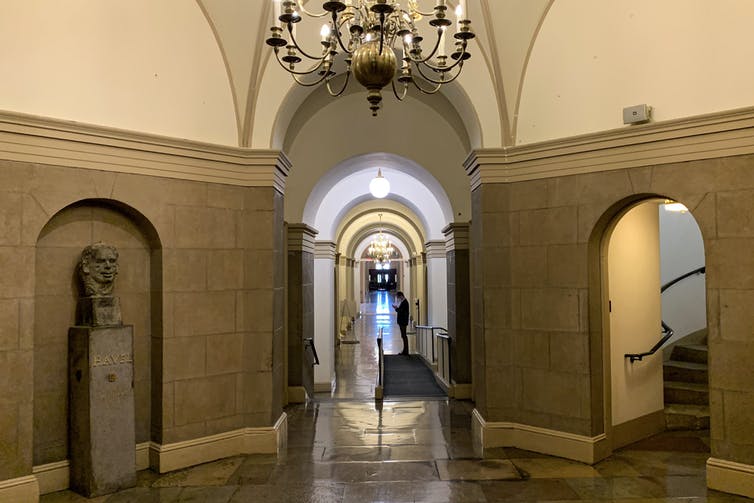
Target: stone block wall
x=536, y=293
x=201, y=280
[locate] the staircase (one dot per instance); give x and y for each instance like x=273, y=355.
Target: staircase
x=686, y=385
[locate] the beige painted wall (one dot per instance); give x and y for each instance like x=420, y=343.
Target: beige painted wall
x=592, y=58
x=140, y=65
x=633, y=263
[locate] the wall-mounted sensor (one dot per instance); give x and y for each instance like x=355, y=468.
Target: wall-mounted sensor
x=637, y=114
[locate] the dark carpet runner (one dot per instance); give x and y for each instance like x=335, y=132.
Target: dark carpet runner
x=409, y=376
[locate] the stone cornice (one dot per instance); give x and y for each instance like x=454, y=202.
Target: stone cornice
x=301, y=238
x=720, y=134
x=456, y=236
x=435, y=249
x=40, y=140
x=324, y=250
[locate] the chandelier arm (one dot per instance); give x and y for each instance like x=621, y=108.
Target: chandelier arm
x=343, y=89
x=311, y=14
x=303, y=52
x=293, y=72
x=439, y=82
x=310, y=84
x=424, y=91
x=445, y=69
x=395, y=91
x=382, y=31
x=432, y=54
x=337, y=33
x=415, y=8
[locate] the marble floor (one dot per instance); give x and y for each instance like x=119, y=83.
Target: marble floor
x=345, y=447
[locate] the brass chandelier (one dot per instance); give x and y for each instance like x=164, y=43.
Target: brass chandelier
x=380, y=249
x=370, y=33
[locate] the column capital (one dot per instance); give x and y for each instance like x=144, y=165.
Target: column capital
x=301, y=238
x=324, y=250
x=456, y=236
x=435, y=249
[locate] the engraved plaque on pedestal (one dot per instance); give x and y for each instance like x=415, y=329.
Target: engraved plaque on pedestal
x=102, y=430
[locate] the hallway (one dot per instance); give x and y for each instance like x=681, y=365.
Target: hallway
x=345, y=447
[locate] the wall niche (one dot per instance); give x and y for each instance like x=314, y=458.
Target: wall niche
x=139, y=287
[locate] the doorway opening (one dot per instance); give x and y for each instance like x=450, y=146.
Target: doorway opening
x=653, y=277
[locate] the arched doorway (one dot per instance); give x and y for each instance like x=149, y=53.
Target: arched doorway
x=655, y=322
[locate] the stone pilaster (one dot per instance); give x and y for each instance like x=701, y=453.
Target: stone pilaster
x=459, y=303
x=300, y=308
x=437, y=298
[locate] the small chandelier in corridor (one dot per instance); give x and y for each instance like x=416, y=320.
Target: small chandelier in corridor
x=370, y=33
x=380, y=250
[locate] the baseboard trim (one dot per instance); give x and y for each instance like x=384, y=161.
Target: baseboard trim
x=638, y=429
x=53, y=477
x=19, y=490
x=461, y=391
x=730, y=477
x=263, y=440
x=488, y=434
x=322, y=387
x=296, y=394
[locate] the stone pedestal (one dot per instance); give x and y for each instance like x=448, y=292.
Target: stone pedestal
x=102, y=435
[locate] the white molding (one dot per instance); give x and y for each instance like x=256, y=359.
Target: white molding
x=53, y=477
x=39, y=140
x=19, y=490
x=260, y=440
x=715, y=135
x=142, y=456
x=730, y=477
x=488, y=434
x=56, y=476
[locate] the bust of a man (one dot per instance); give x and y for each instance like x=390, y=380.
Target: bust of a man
x=98, y=268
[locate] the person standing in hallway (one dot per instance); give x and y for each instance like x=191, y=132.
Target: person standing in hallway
x=402, y=309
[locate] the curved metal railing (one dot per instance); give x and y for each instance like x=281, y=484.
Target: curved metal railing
x=667, y=332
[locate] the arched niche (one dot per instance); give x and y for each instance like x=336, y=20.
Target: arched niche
x=56, y=291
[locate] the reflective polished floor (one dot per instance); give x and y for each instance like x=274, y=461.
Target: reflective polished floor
x=345, y=447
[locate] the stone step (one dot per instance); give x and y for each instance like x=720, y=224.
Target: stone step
x=696, y=353
x=684, y=372
x=685, y=393
x=686, y=417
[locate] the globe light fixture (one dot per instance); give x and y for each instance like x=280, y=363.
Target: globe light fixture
x=381, y=44
x=379, y=186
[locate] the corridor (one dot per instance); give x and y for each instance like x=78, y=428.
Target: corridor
x=345, y=447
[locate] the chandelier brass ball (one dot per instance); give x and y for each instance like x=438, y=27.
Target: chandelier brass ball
x=374, y=70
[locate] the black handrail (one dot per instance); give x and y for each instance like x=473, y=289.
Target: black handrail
x=667, y=332
x=440, y=330
x=380, y=361
x=700, y=270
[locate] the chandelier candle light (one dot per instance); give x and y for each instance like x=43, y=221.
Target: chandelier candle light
x=380, y=248
x=369, y=33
